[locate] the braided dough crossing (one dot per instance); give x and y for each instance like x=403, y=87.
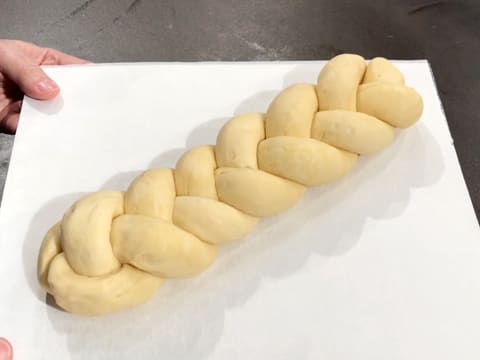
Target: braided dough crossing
x=113, y=250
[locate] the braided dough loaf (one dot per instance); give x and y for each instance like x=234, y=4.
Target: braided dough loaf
x=113, y=250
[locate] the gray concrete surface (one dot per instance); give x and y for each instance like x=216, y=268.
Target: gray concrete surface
x=447, y=33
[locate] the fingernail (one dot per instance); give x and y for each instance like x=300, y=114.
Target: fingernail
x=47, y=85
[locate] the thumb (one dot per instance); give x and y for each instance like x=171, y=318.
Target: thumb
x=29, y=77
x=33, y=81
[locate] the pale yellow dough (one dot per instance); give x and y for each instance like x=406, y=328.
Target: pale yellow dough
x=159, y=247
x=85, y=295
x=338, y=82
x=153, y=194
x=194, y=173
x=212, y=221
x=305, y=161
x=397, y=105
x=256, y=192
x=51, y=246
x=382, y=70
x=291, y=112
x=86, y=233
x=237, y=141
x=352, y=131
x=113, y=250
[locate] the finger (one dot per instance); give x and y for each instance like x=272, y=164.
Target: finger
x=56, y=57
x=15, y=107
x=6, y=351
x=9, y=125
x=9, y=108
x=9, y=117
x=4, y=110
x=29, y=77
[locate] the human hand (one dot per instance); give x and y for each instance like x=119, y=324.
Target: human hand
x=6, y=351
x=20, y=74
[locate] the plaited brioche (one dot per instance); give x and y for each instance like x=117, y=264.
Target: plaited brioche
x=113, y=250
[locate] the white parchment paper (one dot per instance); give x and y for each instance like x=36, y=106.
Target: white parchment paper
x=383, y=264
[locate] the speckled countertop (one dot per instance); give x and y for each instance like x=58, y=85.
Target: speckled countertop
x=6, y=143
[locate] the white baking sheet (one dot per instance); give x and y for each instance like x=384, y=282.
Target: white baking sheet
x=384, y=264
